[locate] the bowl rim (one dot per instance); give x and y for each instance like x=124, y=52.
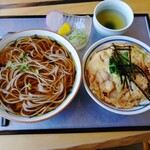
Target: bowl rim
x=93, y=97
x=63, y=41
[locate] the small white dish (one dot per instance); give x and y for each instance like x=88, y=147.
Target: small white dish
x=55, y=19
x=145, y=105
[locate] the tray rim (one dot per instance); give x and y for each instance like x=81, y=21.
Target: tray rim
x=75, y=130
x=42, y=16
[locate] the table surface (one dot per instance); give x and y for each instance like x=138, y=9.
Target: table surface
x=93, y=140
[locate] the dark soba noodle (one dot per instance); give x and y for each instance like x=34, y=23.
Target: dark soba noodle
x=36, y=76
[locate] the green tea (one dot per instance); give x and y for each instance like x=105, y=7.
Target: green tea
x=111, y=19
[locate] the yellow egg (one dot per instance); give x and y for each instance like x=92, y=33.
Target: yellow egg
x=65, y=29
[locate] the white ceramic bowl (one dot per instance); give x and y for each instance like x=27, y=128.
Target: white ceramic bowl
x=96, y=47
x=77, y=82
x=119, y=6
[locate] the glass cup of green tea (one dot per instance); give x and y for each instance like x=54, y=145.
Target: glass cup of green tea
x=112, y=17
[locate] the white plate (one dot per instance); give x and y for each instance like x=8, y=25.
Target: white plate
x=95, y=47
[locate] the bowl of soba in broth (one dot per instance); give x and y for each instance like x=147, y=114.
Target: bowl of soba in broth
x=116, y=74
x=40, y=74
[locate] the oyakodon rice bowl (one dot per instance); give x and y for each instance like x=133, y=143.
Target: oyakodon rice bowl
x=40, y=74
x=117, y=74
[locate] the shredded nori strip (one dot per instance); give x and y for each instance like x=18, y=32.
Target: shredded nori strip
x=126, y=69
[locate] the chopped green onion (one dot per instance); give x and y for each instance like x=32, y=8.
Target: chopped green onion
x=22, y=55
x=36, y=72
x=11, y=65
x=24, y=67
x=29, y=86
x=77, y=37
x=143, y=54
x=113, y=68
